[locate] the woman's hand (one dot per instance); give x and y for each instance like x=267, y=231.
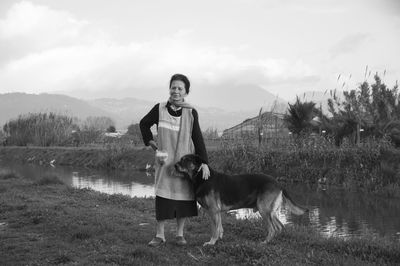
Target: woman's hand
x=153, y=145
x=206, y=171
x=161, y=156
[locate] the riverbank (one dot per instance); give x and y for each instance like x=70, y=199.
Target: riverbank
x=112, y=157
x=45, y=222
x=370, y=168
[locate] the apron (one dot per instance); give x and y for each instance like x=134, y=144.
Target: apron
x=175, y=138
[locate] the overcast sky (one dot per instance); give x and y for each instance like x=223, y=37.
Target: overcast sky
x=123, y=47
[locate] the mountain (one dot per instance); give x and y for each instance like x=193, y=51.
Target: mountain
x=227, y=96
x=131, y=110
x=14, y=104
x=236, y=97
x=123, y=111
x=126, y=111
x=219, y=107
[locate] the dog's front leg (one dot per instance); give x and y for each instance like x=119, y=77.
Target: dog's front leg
x=215, y=218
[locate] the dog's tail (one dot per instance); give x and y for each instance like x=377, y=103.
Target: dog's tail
x=292, y=206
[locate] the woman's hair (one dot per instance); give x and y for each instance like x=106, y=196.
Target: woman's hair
x=182, y=78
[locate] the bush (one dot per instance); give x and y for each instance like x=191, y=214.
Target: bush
x=371, y=166
x=111, y=129
x=41, y=129
x=8, y=175
x=49, y=180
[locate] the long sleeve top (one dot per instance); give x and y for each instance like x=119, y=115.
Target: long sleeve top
x=152, y=118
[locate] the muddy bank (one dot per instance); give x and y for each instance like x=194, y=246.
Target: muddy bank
x=88, y=157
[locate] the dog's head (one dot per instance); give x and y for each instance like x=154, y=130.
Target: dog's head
x=189, y=165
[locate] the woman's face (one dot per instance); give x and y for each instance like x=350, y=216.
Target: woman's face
x=177, y=90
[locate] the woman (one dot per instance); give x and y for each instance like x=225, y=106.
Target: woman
x=178, y=134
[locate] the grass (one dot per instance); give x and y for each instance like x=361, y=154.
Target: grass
x=371, y=167
x=49, y=223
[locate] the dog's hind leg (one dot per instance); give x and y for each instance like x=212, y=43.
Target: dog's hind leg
x=277, y=204
x=267, y=221
x=268, y=205
x=277, y=224
x=215, y=218
x=220, y=229
x=270, y=227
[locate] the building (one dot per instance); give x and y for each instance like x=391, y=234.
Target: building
x=268, y=125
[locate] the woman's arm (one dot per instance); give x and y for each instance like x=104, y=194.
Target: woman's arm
x=197, y=137
x=199, y=146
x=146, y=123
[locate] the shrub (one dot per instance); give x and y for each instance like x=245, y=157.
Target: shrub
x=49, y=180
x=41, y=129
x=314, y=159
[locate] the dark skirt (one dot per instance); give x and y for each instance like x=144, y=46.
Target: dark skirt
x=170, y=209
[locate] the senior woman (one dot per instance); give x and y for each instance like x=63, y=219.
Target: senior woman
x=178, y=134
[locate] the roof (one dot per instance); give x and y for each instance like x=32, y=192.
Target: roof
x=253, y=119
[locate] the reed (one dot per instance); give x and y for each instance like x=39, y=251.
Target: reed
x=40, y=129
x=371, y=165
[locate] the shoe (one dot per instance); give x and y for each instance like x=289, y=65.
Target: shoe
x=180, y=241
x=156, y=242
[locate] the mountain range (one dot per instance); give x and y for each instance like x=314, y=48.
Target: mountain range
x=126, y=111
x=14, y=104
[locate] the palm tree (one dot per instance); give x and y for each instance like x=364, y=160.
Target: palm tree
x=300, y=116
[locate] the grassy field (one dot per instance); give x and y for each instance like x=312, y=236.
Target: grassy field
x=45, y=222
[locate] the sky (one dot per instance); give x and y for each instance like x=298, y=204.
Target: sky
x=101, y=48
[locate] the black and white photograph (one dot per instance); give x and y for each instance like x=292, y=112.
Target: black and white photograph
x=226, y=132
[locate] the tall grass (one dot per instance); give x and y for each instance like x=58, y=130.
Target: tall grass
x=40, y=129
x=372, y=165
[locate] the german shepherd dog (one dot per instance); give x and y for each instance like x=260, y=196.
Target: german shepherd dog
x=221, y=192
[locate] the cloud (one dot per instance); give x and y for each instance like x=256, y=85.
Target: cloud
x=63, y=53
x=349, y=44
x=142, y=65
x=27, y=19
x=33, y=28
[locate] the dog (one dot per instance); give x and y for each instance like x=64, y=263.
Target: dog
x=222, y=192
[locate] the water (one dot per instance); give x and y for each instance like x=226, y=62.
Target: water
x=332, y=212
x=131, y=183
x=341, y=213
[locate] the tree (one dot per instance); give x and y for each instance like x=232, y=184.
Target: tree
x=97, y=123
x=111, y=129
x=134, y=132
x=374, y=108
x=93, y=128
x=210, y=133
x=299, y=117
x=2, y=138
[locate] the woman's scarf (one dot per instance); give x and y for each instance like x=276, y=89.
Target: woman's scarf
x=182, y=104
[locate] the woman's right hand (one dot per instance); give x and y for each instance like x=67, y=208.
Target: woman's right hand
x=161, y=156
x=153, y=145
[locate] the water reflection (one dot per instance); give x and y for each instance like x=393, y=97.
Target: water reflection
x=332, y=212
x=132, y=183
x=105, y=185
x=340, y=213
